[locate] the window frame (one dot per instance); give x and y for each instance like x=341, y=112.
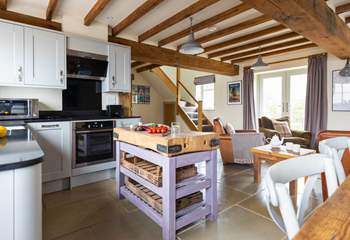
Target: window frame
x=200, y=97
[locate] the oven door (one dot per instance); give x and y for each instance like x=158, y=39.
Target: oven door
x=93, y=146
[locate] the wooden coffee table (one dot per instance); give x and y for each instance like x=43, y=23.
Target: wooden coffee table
x=266, y=153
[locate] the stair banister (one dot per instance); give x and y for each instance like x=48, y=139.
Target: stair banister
x=200, y=116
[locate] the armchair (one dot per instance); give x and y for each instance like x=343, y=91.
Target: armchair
x=235, y=148
x=298, y=137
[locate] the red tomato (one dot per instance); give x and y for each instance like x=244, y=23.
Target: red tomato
x=149, y=130
x=164, y=130
x=158, y=130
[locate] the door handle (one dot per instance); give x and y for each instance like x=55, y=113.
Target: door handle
x=19, y=72
x=61, y=76
x=50, y=125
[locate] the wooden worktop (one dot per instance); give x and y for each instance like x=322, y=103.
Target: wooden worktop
x=332, y=219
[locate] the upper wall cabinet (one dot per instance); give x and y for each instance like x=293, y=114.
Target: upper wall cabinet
x=45, y=54
x=32, y=57
x=11, y=54
x=119, y=69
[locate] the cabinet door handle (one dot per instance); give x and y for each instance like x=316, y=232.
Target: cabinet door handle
x=50, y=125
x=61, y=76
x=113, y=80
x=19, y=71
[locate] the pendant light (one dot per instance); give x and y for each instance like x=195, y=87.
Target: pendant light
x=191, y=46
x=345, y=72
x=259, y=63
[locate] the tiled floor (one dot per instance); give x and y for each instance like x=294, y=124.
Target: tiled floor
x=92, y=212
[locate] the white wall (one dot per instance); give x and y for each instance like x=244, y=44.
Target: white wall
x=336, y=120
x=152, y=112
x=228, y=113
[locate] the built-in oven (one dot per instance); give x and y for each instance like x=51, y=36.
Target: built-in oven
x=18, y=108
x=92, y=142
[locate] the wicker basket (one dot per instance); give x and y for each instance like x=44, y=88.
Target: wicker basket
x=155, y=201
x=153, y=173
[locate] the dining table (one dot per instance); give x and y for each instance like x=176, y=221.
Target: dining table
x=331, y=220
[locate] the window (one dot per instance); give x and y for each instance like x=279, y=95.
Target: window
x=205, y=93
x=283, y=93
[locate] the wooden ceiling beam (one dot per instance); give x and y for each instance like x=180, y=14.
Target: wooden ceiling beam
x=312, y=19
x=244, y=38
x=30, y=20
x=156, y=55
x=136, y=64
x=206, y=23
x=265, y=49
x=185, y=13
x=342, y=8
x=281, y=37
x=147, y=67
x=95, y=11
x=287, y=50
x=51, y=7
x=233, y=29
x=3, y=4
x=135, y=15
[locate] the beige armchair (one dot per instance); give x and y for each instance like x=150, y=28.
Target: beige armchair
x=235, y=148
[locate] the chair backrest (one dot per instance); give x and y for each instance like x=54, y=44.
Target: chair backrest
x=218, y=126
x=335, y=148
x=277, y=194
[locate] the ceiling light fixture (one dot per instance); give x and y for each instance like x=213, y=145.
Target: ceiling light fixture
x=345, y=72
x=191, y=46
x=259, y=63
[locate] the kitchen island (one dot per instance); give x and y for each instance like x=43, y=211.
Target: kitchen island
x=20, y=186
x=169, y=158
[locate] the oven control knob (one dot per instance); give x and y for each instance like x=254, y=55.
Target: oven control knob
x=89, y=126
x=101, y=125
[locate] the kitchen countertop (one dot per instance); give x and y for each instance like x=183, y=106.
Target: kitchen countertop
x=19, y=150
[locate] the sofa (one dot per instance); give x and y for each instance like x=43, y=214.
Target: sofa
x=235, y=147
x=298, y=137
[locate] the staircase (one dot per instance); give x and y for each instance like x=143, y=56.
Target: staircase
x=188, y=107
x=192, y=114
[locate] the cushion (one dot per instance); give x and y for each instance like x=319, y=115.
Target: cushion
x=218, y=126
x=267, y=123
x=230, y=129
x=282, y=128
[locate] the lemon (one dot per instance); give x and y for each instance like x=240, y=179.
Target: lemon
x=3, y=131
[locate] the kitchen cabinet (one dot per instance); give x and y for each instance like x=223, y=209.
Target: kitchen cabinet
x=119, y=69
x=21, y=203
x=45, y=58
x=11, y=54
x=55, y=139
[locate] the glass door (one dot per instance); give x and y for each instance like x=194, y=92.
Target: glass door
x=283, y=93
x=271, y=95
x=297, y=96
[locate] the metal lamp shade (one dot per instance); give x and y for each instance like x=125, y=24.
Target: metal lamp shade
x=191, y=47
x=259, y=63
x=345, y=72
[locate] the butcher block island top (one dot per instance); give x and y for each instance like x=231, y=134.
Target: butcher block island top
x=169, y=145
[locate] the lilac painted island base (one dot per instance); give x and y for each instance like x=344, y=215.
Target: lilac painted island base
x=170, y=221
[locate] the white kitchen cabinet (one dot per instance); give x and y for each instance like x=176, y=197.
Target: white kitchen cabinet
x=55, y=139
x=45, y=58
x=119, y=69
x=11, y=54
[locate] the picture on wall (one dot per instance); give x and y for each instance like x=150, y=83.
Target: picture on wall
x=141, y=94
x=341, y=92
x=234, y=92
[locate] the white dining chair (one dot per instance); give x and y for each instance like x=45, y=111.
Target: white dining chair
x=334, y=148
x=277, y=194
